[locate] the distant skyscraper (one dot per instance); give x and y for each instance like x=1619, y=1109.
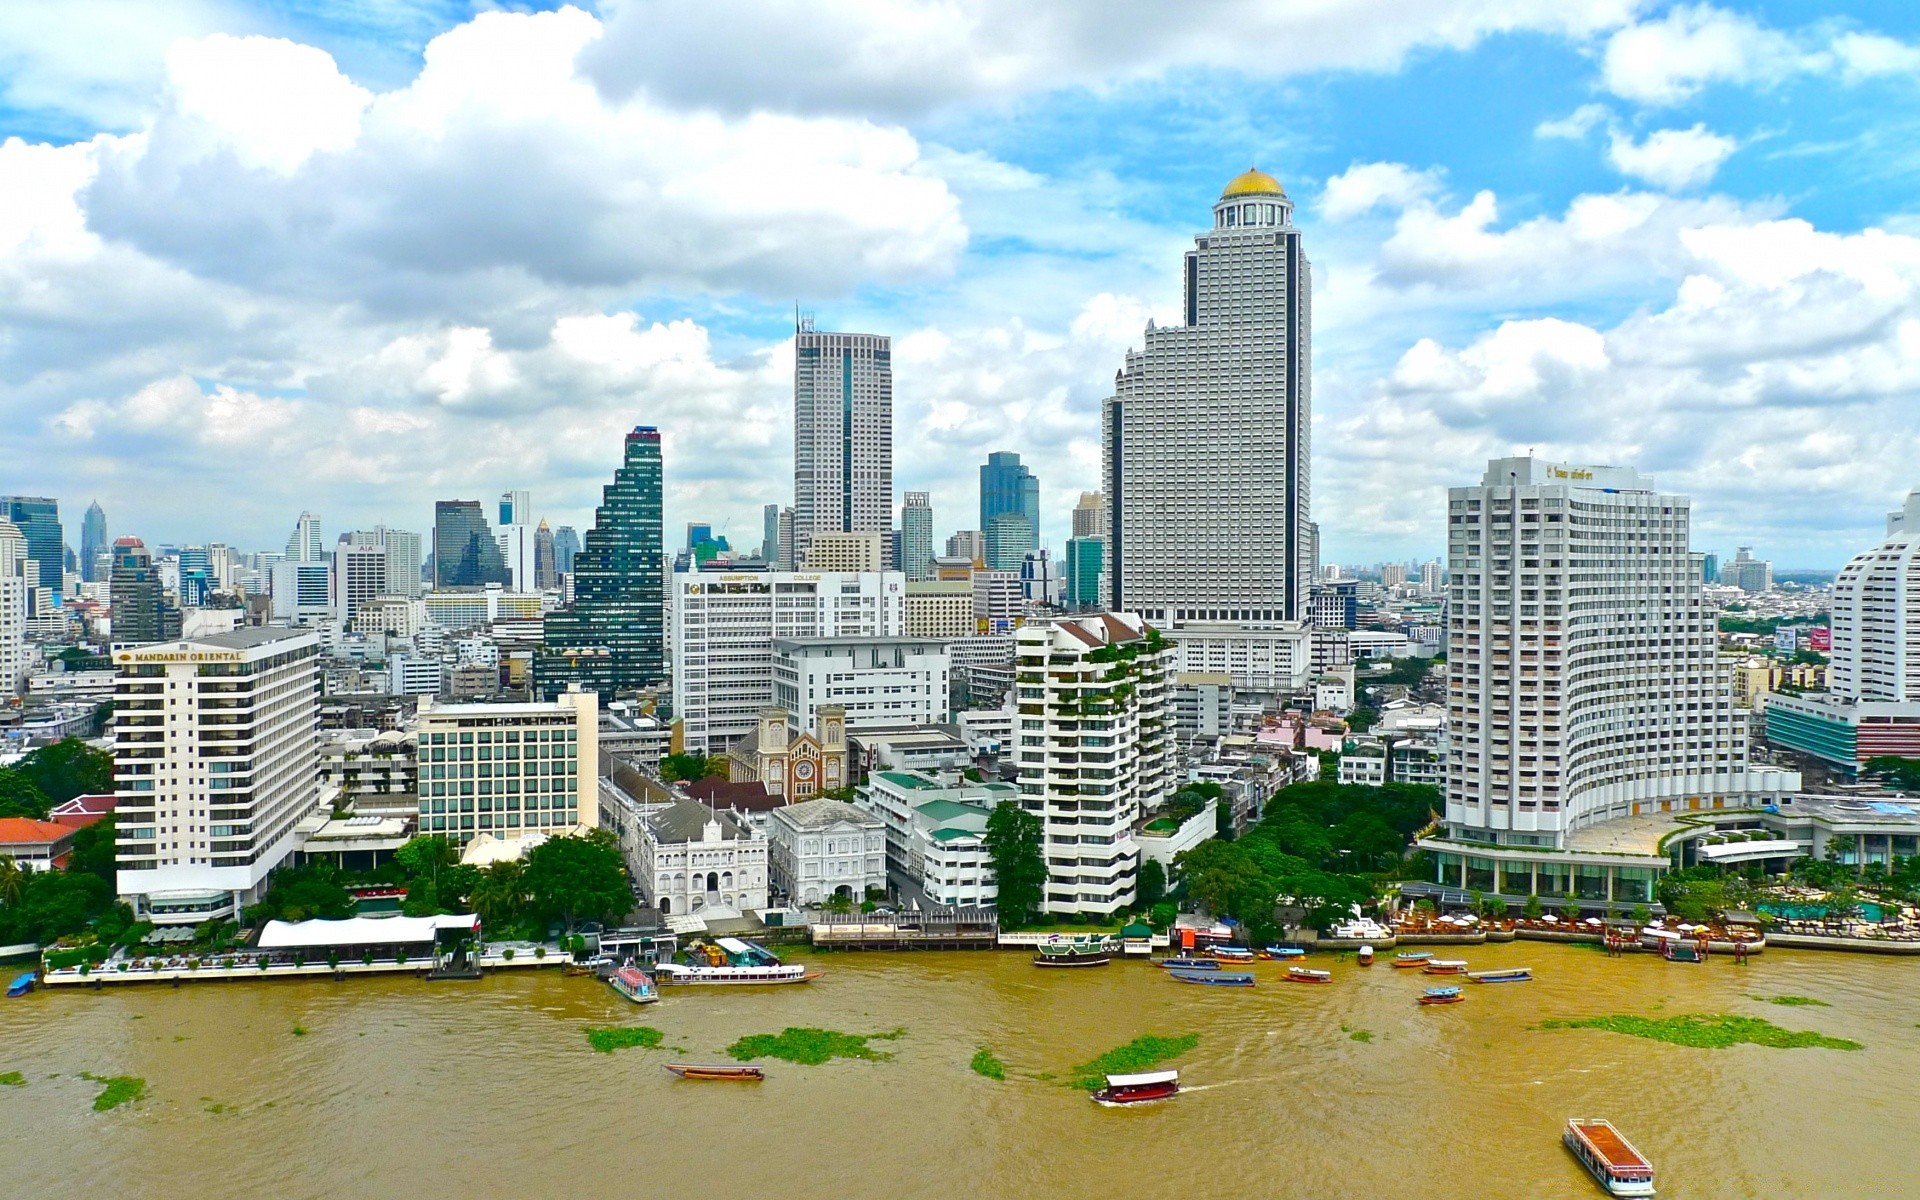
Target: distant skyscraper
x=1090, y=517
x=359, y=576
x=403, y=557
x=967, y=544
x=93, y=542
x=516, y=507
x=465, y=553
x=566, y=544
x=1010, y=538
x=141, y=614
x=38, y=520
x=1204, y=441
x=1710, y=568
x=612, y=637
x=783, y=560
x=770, y=533
x=1747, y=573
x=304, y=545
x=13, y=611
x=546, y=571
x=1086, y=562
x=842, y=434
x=916, y=537
x=1006, y=486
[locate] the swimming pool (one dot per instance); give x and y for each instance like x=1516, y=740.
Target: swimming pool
x=1866, y=911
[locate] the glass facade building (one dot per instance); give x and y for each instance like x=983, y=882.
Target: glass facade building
x=465, y=552
x=38, y=520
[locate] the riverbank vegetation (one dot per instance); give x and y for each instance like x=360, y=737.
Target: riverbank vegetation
x=811, y=1047
x=1012, y=839
x=986, y=1062
x=1706, y=1031
x=622, y=1037
x=1141, y=1054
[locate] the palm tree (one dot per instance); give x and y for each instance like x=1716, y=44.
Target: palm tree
x=13, y=880
x=501, y=895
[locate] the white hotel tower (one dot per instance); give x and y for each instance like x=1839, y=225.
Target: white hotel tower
x=1584, y=688
x=1204, y=441
x=842, y=434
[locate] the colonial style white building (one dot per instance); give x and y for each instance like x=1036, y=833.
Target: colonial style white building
x=696, y=862
x=821, y=850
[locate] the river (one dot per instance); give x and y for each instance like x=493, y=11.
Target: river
x=470, y=1091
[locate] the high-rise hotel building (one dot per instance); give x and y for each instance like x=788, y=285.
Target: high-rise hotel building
x=215, y=761
x=1205, y=437
x=1584, y=686
x=842, y=435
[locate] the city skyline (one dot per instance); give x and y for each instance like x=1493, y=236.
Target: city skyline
x=1487, y=286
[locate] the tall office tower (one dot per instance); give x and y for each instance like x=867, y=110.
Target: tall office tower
x=1393, y=574
x=784, y=560
x=1120, y=760
x=1583, y=676
x=304, y=544
x=465, y=553
x=1010, y=537
x=1090, y=516
x=38, y=520
x=93, y=542
x=141, y=614
x=916, y=537
x=566, y=544
x=1710, y=568
x=403, y=557
x=546, y=571
x=968, y=544
x=195, y=583
x=1876, y=617
x=216, y=763
x=359, y=577
x=13, y=611
x=770, y=533
x=1008, y=487
x=516, y=507
x=1432, y=576
x=842, y=434
x=612, y=637
x=550, y=780
x=725, y=625
x=1313, y=551
x=698, y=532
x=1085, y=565
x=1747, y=573
x=1204, y=440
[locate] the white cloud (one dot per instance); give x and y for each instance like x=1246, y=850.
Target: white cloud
x=906, y=57
x=1364, y=187
x=1576, y=124
x=1867, y=55
x=1669, y=60
x=271, y=102
x=1675, y=159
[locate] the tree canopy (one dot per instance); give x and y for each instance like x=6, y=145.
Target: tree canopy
x=1012, y=839
x=678, y=767
x=575, y=879
x=68, y=768
x=1903, y=773
x=20, y=796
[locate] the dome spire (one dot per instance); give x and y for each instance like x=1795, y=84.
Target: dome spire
x=1253, y=182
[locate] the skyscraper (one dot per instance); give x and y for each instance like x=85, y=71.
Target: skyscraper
x=1204, y=440
x=516, y=507
x=38, y=520
x=1086, y=562
x=566, y=544
x=13, y=611
x=465, y=553
x=546, y=572
x=783, y=559
x=1010, y=537
x=141, y=614
x=1008, y=487
x=403, y=557
x=770, y=533
x=612, y=636
x=916, y=536
x=1876, y=617
x=842, y=434
x=93, y=542
x=359, y=577
x=1090, y=516
x=1747, y=573
x=304, y=544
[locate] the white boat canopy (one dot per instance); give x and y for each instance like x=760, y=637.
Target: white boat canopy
x=360, y=931
x=1143, y=1080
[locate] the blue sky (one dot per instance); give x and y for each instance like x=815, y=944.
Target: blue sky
x=355, y=257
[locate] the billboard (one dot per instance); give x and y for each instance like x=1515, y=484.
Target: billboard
x=1786, y=638
x=1820, y=638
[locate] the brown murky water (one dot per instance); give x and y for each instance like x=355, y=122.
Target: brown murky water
x=481, y=1090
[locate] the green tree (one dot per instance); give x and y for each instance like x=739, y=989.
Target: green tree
x=69, y=768
x=575, y=879
x=677, y=767
x=1012, y=839
x=94, y=852
x=425, y=856
x=1903, y=773
x=1535, y=908
x=500, y=896
x=13, y=880
x=1153, y=883
x=20, y=796
x=1225, y=879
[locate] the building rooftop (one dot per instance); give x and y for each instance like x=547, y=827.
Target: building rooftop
x=788, y=645
x=908, y=779
x=25, y=831
x=686, y=821
x=947, y=810
x=249, y=637
x=819, y=814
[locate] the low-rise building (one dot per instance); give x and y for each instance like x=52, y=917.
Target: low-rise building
x=876, y=682
x=36, y=845
x=696, y=862
x=1202, y=705
x=940, y=609
x=1845, y=735
x=366, y=763
x=822, y=850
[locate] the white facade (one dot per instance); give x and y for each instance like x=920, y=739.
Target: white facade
x=693, y=861
x=470, y=609
x=359, y=578
x=880, y=682
x=395, y=615
x=1583, y=677
x=1276, y=661
x=724, y=625
x=1093, y=749
x=15, y=663
x=934, y=833
x=505, y=769
x=822, y=849
x=830, y=550
x=215, y=763
x=302, y=592
x=1876, y=617
x=1205, y=439
x=842, y=435
x=1379, y=643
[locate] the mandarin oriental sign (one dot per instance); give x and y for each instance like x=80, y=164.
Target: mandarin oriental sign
x=182, y=656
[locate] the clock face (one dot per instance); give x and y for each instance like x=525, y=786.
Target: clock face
x=803, y=770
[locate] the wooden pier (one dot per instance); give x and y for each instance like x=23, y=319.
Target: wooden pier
x=950, y=929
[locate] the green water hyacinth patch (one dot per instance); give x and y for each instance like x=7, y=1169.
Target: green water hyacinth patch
x=607, y=1040
x=1141, y=1054
x=1707, y=1031
x=811, y=1047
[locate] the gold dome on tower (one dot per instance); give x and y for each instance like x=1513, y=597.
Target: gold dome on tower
x=1253, y=182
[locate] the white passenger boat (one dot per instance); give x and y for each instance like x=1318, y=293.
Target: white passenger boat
x=676, y=974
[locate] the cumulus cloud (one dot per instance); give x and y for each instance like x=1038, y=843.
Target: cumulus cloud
x=907, y=57
x=1675, y=159
x=1364, y=187
x=1576, y=124
x=1670, y=59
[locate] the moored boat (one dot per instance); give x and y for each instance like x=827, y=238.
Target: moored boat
x=1308, y=975
x=633, y=983
x=1413, y=958
x=22, y=985
x=735, y=1072
x=1138, y=1089
x=1365, y=956
x=1442, y=995
x=1503, y=975
x=1215, y=978
x=1071, y=956
x=1234, y=954
x=1283, y=953
x=676, y=974
x=1611, y=1158
x=1445, y=966
x=1187, y=964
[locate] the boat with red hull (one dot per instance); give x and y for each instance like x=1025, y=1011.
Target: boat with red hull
x=724, y=1072
x=1138, y=1089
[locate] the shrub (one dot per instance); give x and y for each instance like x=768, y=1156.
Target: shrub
x=333, y=959
x=539, y=951
x=262, y=960
x=367, y=958
x=507, y=954
x=400, y=956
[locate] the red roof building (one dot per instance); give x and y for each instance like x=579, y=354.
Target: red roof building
x=82, y=811
x=36, y=844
